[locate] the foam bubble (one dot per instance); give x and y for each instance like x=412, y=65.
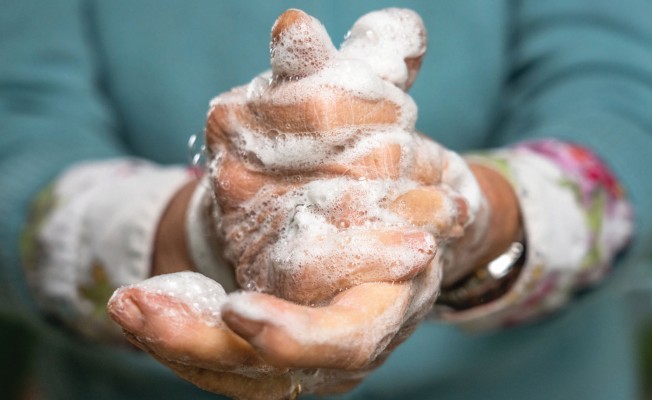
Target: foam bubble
x=319, y=217
x=385, y=39
x=301, y=49
x=203, y=296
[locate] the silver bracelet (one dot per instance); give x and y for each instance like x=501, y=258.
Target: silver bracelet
x=500, y=267
x=487, y=283
x=200, y=239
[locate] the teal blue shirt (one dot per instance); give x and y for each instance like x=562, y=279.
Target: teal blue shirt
x=86, y=80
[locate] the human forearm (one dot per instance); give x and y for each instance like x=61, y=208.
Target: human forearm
x=576, y=218
x=486, y=239
x=580, y=72
x=171, y=252
x=96, y=233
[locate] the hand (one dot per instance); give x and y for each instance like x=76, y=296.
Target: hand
x=184, y=320
x=320, y=180
x=341, y=236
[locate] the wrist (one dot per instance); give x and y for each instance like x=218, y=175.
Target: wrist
x=503, y=225
x=171, y=252
x=202, y=238
x=495, y=228
x=487, y=283
x=489, y=257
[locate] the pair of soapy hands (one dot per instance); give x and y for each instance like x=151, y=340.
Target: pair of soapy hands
x=338, y=275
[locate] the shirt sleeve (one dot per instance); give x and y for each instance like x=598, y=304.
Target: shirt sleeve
x=579, y=71
x=52, y=114
x=576, y=218
x=91, y=232
x=577, y=96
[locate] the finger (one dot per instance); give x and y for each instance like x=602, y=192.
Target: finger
x=239, y=180
x=236, y=183
x=340, y=387
x=427, y=161
x=321, y=114
x=398, y=154
x=458, y=175
x=435, y=209
x=237, y=386
x=392, y=41
x=176, y=316
x=383, y=162
x=413, y=65
x=347, y=334
x=300, y=46
x=330, y=381
x=311, y=270
x=354, y=332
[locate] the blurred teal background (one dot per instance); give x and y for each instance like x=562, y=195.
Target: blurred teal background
x=16, y=359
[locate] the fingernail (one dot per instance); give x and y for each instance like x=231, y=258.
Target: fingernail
x=244, y=327
x=126, y=312
x=422, y=241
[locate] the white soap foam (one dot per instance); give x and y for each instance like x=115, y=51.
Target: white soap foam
x=384, y=39
x=369, y=66
x=301, y=49
x=297, y=325
x=309, y=237
x=278, y=151
x=353, y=76
x=341, y=252
x=203, y=296
x=457, y=175
x=369, y=70
x=327, y=196
x=378, y=137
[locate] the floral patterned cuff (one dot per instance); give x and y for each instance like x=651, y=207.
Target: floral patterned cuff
x=92, y=231
x=576, y=218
